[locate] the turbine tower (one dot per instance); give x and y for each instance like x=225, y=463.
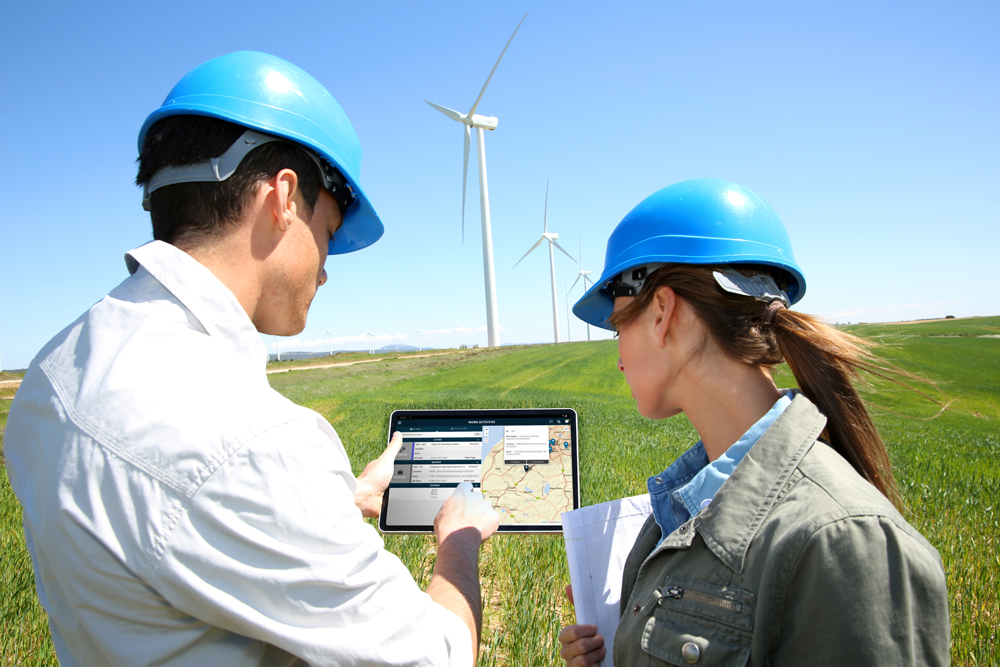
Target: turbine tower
x=329, y=334
x=551, y=238
x=474, y=120
x=586, y=278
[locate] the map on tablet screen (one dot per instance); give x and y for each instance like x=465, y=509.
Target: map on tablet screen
x=524, y=461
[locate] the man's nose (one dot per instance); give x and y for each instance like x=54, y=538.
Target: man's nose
x=322, y=280
x=621, y=366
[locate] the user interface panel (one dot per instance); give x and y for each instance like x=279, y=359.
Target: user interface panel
x=525, y=462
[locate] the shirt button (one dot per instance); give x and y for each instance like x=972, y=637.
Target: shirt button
x=636, y=609
x=684, y=528
x=690, y=652
x=659, y=481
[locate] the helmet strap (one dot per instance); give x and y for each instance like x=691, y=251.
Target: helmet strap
x=760, y=287
x=630, y=281
x=218, y=169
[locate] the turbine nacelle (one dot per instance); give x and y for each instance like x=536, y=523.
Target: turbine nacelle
x=474, y=120
x=485, y=122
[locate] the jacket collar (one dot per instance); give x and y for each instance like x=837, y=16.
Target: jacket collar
x=203, y=294
x=746, y=499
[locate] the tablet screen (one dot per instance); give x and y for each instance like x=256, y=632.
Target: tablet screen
x=525, y=462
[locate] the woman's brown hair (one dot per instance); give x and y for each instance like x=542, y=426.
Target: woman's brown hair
x=825, y=361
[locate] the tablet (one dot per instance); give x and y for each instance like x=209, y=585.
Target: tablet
x=525, y=461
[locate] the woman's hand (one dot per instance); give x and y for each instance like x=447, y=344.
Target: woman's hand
x=581, y=645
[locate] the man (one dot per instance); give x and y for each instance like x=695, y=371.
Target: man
x=178, y=511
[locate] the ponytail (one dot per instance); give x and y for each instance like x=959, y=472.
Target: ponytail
x=825, y=361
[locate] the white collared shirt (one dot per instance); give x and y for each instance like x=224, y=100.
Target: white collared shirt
x=179, y=511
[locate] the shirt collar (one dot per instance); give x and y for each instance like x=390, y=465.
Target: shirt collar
x=729, y=524
x=203, y=294
x=710, y=479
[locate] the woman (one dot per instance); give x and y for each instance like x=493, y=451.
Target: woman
x=775, y=539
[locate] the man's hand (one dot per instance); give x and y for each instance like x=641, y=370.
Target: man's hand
x=374, y=479
x=466, y=508
x=464, y=522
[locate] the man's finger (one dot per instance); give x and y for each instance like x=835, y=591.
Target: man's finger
x=393, y=447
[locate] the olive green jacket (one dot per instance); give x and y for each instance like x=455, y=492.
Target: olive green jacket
x=797, y=561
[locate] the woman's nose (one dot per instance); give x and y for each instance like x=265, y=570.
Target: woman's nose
x=322, y=278
x=621, y=366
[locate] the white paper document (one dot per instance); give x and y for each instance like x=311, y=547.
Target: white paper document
x=598, y=540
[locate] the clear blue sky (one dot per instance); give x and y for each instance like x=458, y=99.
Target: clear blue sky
x=871, y=128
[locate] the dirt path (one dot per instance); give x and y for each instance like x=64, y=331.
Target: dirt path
x=359, y=361
x=14, y=384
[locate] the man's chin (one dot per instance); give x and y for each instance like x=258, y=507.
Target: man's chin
x=285, y=330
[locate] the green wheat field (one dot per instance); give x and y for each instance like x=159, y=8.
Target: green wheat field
x=945, y=462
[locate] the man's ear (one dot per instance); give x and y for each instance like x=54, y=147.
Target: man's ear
x=284, y=185
x=664, y=308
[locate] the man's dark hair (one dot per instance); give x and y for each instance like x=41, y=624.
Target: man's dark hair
x=191, y=211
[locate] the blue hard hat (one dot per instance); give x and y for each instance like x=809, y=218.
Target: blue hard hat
x=265, y=93
x=702, y=221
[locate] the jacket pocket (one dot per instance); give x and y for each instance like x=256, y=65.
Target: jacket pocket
x=694, y=623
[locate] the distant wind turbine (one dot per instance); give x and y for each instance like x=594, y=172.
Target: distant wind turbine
x=586, y=278
x=569, y=322
x=419, y=346
x=551, y=238
x=474, y=120
x=329, y=334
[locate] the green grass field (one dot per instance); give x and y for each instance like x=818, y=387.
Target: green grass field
x=945, y=465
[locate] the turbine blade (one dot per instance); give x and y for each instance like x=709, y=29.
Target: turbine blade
x=581, y=255
x=450, y=113
x=545, y=222
x=537, y=243
x=465, y=175
x=473, y=109
x=574, y=284
x=561, y=248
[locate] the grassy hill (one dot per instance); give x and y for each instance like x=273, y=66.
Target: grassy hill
x=945, y=462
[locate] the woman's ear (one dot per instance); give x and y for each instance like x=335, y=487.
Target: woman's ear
x=664, y=305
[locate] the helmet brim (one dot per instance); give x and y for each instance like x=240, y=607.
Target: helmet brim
x=596, y=305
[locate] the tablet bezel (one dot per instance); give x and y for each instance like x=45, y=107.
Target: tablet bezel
x=560, y=413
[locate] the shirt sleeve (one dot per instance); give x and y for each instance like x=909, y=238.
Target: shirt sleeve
x=273, y=547
x=863, y=591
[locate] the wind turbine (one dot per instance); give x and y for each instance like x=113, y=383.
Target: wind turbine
x=474, y=120
x=551, y=238
x=419, y=346
x=569, y=322
x=329, y=334
x=586, y=278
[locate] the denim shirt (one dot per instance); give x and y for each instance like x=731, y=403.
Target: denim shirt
x=690, y=483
